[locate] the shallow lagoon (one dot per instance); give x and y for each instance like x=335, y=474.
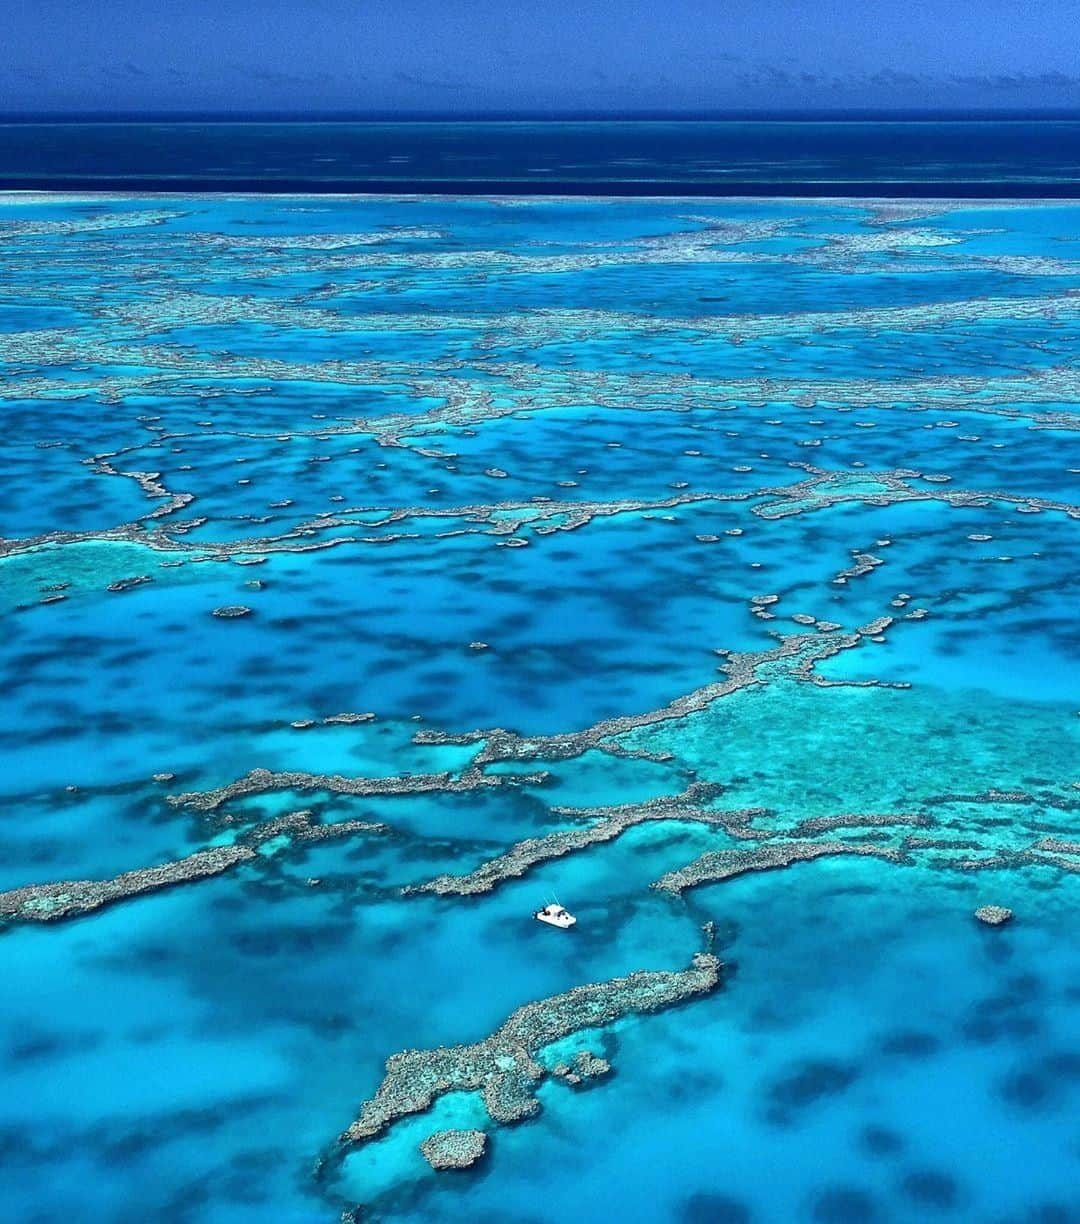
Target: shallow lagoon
x=581, y=461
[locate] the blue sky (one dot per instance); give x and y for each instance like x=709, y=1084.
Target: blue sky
x=466, y=55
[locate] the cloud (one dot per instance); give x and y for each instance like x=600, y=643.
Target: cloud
x=891, y=78
x=770, y=76
x=1017, y=81
x=773, y=76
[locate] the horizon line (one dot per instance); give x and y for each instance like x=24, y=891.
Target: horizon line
x=580, y=115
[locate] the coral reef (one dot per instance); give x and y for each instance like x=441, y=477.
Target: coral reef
x=607, y=823
x=503, y=1067
x=453, y=1149
x=75, y=898
x=717, y=865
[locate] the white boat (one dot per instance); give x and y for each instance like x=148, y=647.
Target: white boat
x=554, y=915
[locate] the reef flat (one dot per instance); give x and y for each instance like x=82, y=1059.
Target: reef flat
x=377, y=570
x=503, y=1067
x=73, y=898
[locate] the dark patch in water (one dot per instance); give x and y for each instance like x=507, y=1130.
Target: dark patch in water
x=120, y=1143
x=1007, y=1015
x=812, y=1082
x=705, y=1208
x=32, y=1046
x=1057, y=1213
x=772, y=1018
x=998, y=951
x=1026, y=1090
x=290, y=941
x=880, y=1141
x=184, y=1206
x=844, y=1205
x=1043, y=1083
x=692, y=1086
x=248, y=1173
x=931, y=1188
x=1064, y=1064
x=910, y=1044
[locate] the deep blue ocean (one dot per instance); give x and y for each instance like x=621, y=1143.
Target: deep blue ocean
x=375, y=569
x=995, y=155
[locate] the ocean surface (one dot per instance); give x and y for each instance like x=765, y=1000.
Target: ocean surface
x=375, y=570
x=1003, y=155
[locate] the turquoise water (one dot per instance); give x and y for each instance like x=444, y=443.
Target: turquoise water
x=566, y=505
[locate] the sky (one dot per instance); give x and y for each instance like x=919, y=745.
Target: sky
x=537, y=55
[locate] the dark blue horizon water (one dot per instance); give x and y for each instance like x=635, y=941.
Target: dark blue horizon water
x=843, y=155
